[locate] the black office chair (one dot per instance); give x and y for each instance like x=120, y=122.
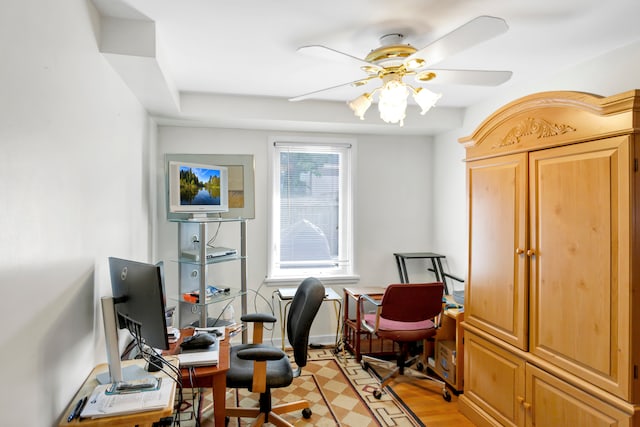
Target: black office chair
x=259, y=367
x=406, y=314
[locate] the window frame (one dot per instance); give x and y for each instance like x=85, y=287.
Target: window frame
x=345, y=271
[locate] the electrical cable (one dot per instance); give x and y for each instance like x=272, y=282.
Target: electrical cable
x=212, y=240
x=152, y=358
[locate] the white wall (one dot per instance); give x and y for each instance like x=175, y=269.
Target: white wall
x=73, y=191
x=615, y=72
x=392, y=214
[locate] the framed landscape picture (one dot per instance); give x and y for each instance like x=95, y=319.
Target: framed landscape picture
x=240, y=169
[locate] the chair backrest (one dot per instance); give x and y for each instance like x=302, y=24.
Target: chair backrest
x=412, y=302
x=303, y=310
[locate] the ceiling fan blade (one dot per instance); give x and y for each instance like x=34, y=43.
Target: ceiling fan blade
x=324, y=52
x=312, y=94
x=466, y=77
x=472, y=33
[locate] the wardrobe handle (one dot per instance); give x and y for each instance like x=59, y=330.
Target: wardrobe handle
x=519, y=251
x=530, y=252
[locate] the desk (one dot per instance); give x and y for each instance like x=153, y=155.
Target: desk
x=214, y=377
x=146, y=418
x=450, y=329
x=286, y=294
x=353, y=331
x=436, y=263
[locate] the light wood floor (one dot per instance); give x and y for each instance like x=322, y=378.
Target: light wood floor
x=425, y=400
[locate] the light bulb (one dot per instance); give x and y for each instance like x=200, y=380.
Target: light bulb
x=393, y=101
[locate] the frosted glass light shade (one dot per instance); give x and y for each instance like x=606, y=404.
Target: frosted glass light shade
x=360, y=105
x=393, y=101
x=426, y=99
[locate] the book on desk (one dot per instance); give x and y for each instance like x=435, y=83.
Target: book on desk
x=203, y=357
x=100, y=404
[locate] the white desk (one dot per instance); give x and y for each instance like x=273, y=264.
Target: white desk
x=285, y=295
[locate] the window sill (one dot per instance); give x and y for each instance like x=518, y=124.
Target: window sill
x=278, y=281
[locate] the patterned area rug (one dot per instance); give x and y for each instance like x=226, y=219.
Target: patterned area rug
x=340, y=392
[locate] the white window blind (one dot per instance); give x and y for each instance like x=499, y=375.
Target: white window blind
x=311, y=231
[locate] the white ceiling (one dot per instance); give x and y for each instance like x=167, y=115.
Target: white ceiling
x=248, y=47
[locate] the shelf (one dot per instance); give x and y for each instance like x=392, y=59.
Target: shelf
x=208, y=219
x=216, y=260
x=224, y=296
x=197, y=275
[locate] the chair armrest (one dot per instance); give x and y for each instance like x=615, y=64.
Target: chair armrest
x=258, y=317
x=377, y=303
x=369, y=298
x=261, y=354
x=451, y=276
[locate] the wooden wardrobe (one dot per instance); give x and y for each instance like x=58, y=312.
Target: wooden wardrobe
x=552, y=321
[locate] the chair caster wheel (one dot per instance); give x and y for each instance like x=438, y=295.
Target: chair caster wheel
x=377, y=394
x=306, y=413
x=365, y=365
x=446, y=395
x=420, y=367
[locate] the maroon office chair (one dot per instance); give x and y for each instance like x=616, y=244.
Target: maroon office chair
x=407, y=313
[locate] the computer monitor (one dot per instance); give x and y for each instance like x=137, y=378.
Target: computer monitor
x=138, y=293
x=138, y=300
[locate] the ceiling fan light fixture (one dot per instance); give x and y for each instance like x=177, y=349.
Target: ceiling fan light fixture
x=392, y=101
x=414, y=63
x=425, y=99
x=360, y=105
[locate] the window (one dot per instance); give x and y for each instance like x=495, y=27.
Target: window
x=311, y=227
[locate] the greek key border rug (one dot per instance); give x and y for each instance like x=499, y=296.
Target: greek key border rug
x=340, y=393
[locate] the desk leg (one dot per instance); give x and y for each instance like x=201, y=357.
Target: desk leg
x=358, y=335
x=437, y=266
x=402, y=269
x=337, y=308
x=219, y=399
x=282, y=311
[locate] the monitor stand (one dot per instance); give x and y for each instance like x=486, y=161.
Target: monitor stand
x=129, y=373
x=116, y=372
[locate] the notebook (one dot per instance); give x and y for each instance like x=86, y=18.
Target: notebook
x=199, y=358
x=207, y=357
x=100, y=404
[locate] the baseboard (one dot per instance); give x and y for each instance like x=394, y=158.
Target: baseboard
x=474, y=413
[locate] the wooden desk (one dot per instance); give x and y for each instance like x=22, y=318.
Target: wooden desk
x=141, y=419
x=214, y=377
x=451, y=330
x=353, y=332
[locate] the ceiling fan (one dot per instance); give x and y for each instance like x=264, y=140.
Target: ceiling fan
x=392, y=61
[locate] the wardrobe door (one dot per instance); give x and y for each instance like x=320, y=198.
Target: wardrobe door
x=496, y=295
x=495, y=384
x=553, y=402
x=580, y=234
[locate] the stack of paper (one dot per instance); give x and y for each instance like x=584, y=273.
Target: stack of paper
x=100, y=404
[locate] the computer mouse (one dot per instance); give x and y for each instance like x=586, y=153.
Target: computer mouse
x=198, y=341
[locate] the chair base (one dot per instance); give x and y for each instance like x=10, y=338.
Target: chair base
x=273, y=416
x=400, y=367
